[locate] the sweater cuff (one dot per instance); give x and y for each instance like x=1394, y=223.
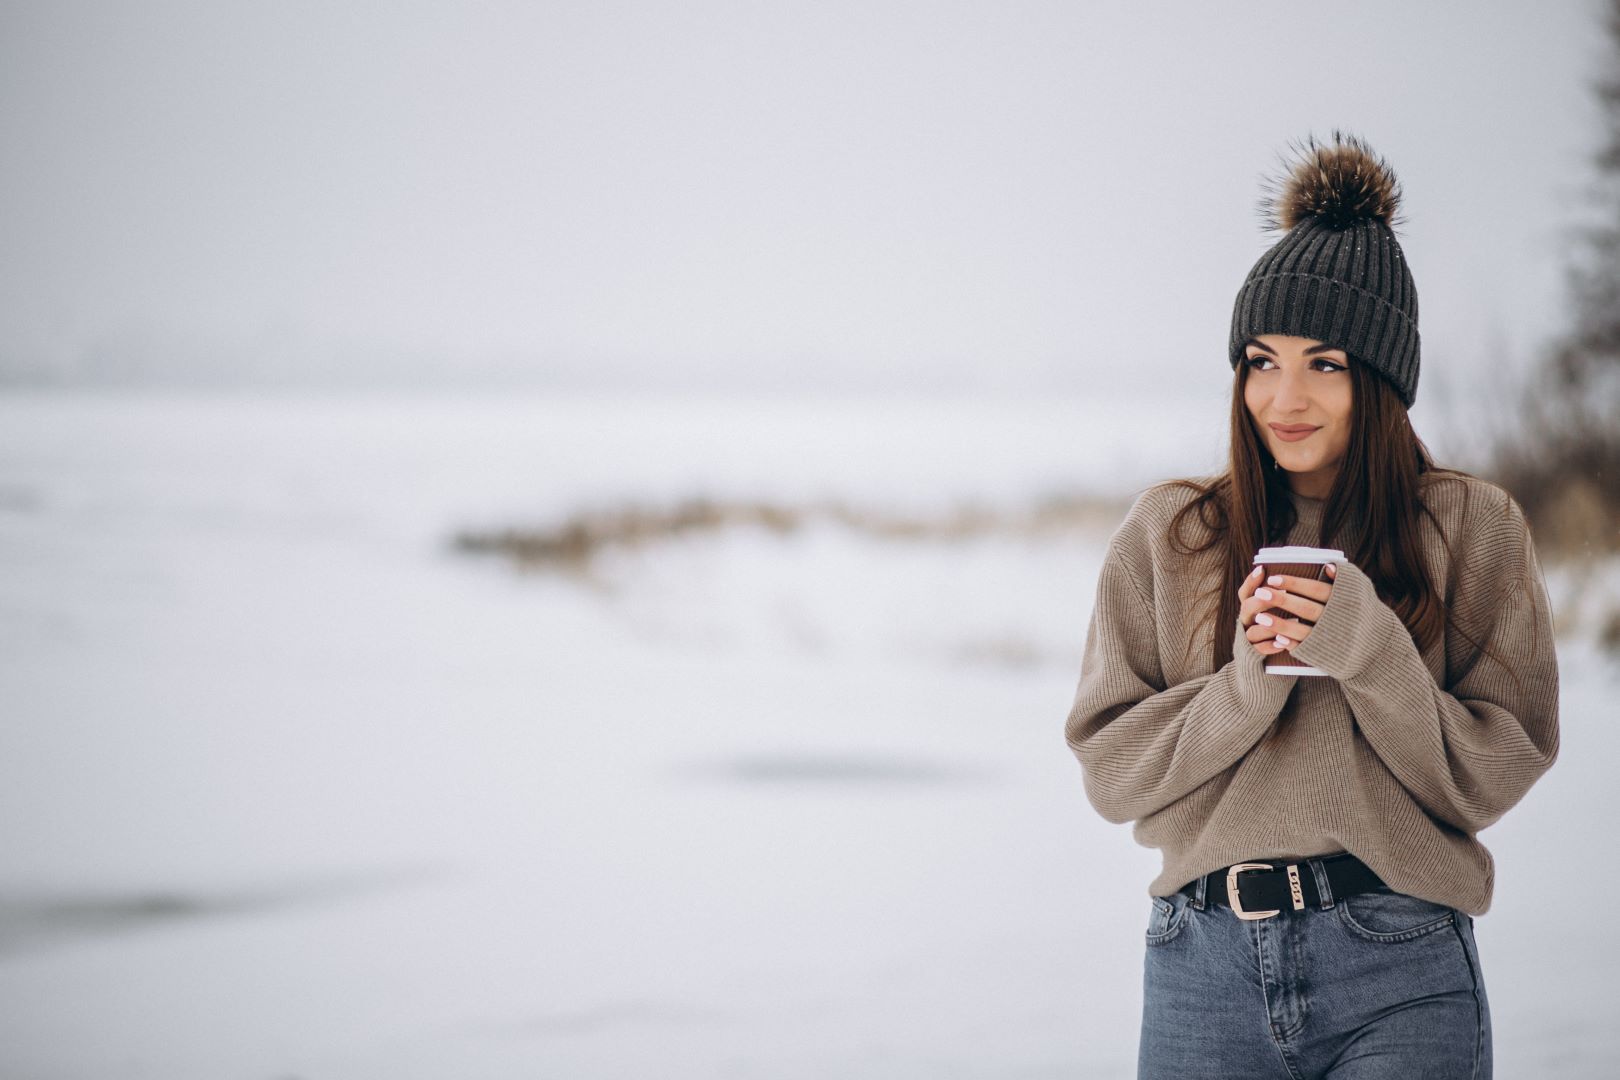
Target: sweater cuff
x=1260, y=692
x=1354, y=628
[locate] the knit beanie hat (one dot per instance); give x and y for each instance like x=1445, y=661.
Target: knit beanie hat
x=1337, y=274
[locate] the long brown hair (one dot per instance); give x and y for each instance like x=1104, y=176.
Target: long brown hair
x=1375, y=500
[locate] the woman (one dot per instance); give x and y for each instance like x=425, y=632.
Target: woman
x=1349, y=950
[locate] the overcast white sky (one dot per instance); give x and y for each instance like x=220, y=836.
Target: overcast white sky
x=1023, y=196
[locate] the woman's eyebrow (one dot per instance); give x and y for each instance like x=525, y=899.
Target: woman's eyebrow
x=1308, y=352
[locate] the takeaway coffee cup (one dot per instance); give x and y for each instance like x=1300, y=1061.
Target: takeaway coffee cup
x=1305, y=562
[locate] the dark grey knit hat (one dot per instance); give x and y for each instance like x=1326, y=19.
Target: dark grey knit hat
x=1338, y=274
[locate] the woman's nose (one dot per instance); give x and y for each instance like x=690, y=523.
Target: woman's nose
x=1291, y=395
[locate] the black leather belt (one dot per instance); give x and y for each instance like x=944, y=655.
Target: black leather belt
x=1268, y=888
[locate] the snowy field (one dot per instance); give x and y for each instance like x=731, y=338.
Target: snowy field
x=290, y=788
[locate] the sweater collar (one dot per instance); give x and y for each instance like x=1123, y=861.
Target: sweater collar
x=1304, y=504
x=1310, y=512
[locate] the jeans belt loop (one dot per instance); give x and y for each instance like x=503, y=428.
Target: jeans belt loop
x=1324, y=885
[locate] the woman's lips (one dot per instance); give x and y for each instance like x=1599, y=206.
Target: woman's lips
x=1293, y=432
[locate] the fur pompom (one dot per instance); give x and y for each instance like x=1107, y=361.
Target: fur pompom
x=1341, y=183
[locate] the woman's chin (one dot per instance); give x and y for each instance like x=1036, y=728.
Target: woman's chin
x=1293, y=464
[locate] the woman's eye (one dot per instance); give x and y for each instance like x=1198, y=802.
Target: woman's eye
x=1255, y=362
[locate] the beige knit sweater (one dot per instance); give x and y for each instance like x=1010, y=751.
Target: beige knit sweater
x=1397, y=756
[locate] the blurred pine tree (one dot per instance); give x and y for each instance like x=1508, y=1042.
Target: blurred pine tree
x=1563, y=462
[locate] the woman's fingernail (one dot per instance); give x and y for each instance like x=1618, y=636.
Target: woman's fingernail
x=1255, y=571
x=1263, y=619
x=1282, y=640
x=1275, y=579
x=1333, y=571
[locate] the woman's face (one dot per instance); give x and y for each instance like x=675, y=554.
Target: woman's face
x=1299, y=383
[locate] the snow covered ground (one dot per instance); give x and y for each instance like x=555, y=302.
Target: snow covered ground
x=289, y=788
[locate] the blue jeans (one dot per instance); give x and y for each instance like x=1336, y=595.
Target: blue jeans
x=1370, y=985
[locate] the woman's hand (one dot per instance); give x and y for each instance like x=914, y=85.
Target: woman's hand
x=1304, y=597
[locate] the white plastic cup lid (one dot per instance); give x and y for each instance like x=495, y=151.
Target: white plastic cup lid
x=1298, y=553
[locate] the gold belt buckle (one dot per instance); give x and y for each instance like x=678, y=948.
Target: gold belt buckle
x=1235, y=900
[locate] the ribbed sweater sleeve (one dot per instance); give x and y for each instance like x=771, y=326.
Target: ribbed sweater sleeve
x=1469, y=751
x=1143, y=745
